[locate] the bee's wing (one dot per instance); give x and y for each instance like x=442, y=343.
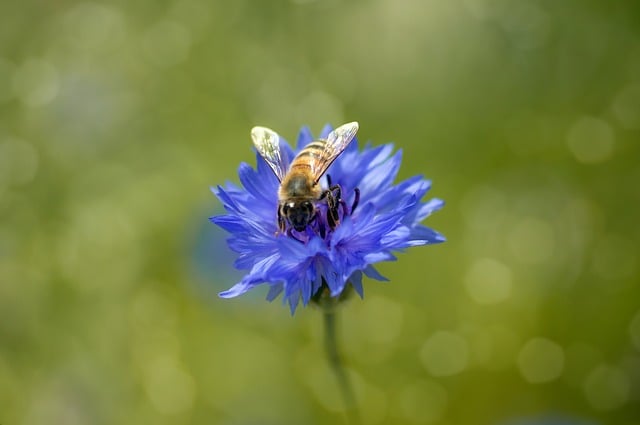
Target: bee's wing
x=267, y=142
x=336, y=143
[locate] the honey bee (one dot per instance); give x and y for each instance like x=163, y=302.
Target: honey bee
x=300, y=190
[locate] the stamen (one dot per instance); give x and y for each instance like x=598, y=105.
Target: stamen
x=356, y=200
x=345, y=209
x=329, y=214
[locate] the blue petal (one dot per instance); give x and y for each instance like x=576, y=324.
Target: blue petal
x=267, y=175
x=352, y=169
x=305, y=289
x=376, y=156
x=371, y=272
x=382, y=177
x=293, y=303
x=334, y=279
x=325, y=131
x=252, y=251
x=227, y=201
x=229, y=223
x=239, y=288
x=274, y=290
x=377, y=257
x=356, y=282
x=304, y=138
x=287, y=152
x=428, y=208
x=422, y=235
x=255, y=183
x=396, y=239
x=353, y=146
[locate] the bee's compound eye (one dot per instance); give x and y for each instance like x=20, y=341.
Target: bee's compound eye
x=307, y=206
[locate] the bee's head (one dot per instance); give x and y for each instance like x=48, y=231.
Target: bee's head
x=299, y=213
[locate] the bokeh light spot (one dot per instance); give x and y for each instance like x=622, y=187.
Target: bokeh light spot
x=541, y=360
x=626, y=106
x=375, y=400
x=93, y=25
x=423, y=402
x=338, y=80
x=197, y=16
x=36, y=82
x=85, y=247
x=167, y=43
x=607, y=387
x=323, y=389
x=488, y=281
x=483, y=207
x=482, y=9
x=445, y=354
x=527, y=24
x=324, y=386
x=18, y=162
x=591, y=140
x=169, y=387
x=615, y=257
x=6, y=74
x=384, y=319
x=634, y=330
x=581, y=358
x=531, y=240
x=319, y=104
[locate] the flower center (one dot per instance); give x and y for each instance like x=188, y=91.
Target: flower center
x=329, y=212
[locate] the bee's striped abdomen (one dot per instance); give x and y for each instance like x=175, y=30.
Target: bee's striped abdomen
x=309, y=156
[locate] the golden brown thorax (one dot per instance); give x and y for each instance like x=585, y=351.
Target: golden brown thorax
x=299, y=184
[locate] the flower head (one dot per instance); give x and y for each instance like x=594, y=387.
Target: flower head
x=375, y=219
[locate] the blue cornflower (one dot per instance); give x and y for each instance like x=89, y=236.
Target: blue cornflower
x=299, y=264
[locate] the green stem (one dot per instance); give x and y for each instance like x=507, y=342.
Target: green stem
x=331, y=347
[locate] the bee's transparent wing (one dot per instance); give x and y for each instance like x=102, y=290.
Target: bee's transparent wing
x=337, y=141
x=267, y=142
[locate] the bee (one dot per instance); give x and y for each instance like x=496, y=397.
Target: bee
x=300, y=188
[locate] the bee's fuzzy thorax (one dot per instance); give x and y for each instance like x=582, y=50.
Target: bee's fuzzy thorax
x=298, y=185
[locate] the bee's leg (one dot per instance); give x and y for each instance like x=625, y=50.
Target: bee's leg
x=333, y=219
x=337, y=193
x=333, y=196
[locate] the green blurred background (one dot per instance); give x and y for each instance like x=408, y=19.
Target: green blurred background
x=116, y=117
